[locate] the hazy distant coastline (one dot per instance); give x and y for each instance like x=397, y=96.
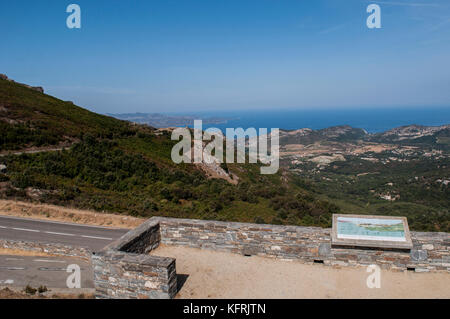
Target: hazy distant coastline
x=373, y=120
x=159, y=120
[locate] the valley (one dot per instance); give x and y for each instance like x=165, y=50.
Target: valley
x=404, y=171
x=57, y=153
x=113, y=166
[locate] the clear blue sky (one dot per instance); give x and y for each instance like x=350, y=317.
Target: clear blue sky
x=193, y=55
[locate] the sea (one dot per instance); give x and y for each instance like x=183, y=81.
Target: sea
x=373, y=120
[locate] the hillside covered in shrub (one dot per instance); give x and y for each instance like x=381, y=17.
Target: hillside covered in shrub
x=114, y=166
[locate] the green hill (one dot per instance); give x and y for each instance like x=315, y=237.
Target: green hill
x=114, y=166
x=31, y=118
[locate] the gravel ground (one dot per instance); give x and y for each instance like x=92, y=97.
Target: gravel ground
x=211, y=274
x=16, y=293
x=64, y=214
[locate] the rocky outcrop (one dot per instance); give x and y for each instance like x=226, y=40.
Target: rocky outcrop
x=35, y=88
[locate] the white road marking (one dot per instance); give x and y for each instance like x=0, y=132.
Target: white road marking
x=14, y=259
x=94, y=237
x=58, y=233
x=26, y=229
x=51, y=269
x=49, y=261
x=64, y=223
x=7, y=281
x=12, y=268
x=55, y=233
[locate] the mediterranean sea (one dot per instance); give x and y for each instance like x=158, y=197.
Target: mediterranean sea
x=373, y=120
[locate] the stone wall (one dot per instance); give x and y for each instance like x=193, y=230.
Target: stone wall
x=51, y=249
x=124, y=269
x=431, y=251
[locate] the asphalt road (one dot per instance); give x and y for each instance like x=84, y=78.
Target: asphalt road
x=91, y=237
x=21, y=271
x=52, y=272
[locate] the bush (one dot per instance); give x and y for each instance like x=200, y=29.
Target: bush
x=22, y=180
x=259, y=220
x=30, y=290
x=42, y=289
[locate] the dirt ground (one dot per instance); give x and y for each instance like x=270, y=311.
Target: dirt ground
x=211, y=274
x=20, y=252
x=58, y=213
x=9, y=293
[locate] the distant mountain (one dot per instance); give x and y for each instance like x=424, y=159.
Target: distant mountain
x=413, y=134
x=401, y=172
x=343, y=133
x=410, y=134
x=163, y=121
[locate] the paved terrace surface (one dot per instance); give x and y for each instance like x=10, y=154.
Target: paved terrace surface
x=212, y=274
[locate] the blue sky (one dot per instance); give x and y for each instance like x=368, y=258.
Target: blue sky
x=193, y=55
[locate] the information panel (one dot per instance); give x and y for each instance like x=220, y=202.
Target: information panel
x=371, y=231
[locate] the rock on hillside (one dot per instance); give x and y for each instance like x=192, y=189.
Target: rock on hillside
x=36, y=88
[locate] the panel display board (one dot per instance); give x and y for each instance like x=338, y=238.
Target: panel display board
x=371, y=231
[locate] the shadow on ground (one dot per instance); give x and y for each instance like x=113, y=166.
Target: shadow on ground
x=181, y=279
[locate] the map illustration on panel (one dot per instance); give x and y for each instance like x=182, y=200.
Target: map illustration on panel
x=370, y=229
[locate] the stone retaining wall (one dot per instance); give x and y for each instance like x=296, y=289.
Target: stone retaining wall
x=124, y=269
x=431, y=251
x=52, y=249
